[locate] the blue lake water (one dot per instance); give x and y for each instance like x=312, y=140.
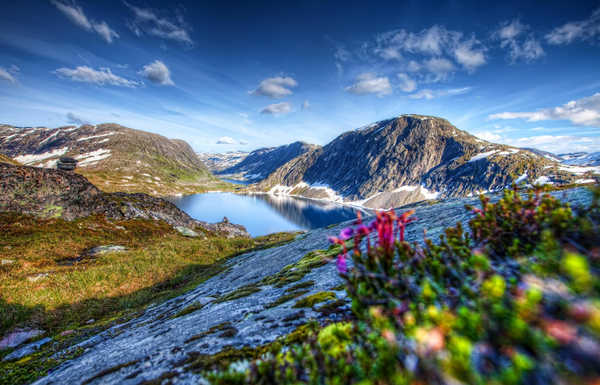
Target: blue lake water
x=263, y=214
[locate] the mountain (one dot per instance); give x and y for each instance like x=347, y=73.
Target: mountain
x=262, y=162
x=407, y=159
x=62, y=194
x=6, y=159
x=216, y=162
x=582, y=159
x=113, y=157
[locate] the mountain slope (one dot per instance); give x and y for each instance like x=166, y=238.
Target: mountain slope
x=262, y=162
x=407, y=159
x=216, y=162
x=6, y=159
x=113, y=157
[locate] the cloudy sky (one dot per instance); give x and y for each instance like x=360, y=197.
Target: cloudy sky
x=238, y=76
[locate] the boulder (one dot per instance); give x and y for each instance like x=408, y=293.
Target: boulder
x=66, y=163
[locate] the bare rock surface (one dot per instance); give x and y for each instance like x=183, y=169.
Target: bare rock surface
x=238, y=308
x=67, y=195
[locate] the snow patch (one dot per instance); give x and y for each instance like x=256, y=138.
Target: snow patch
x=95, y=136
x=585, y=181
x=580, y=169
x=542, y=180
x=521, y=178
x=34, y=158
x=90, y=158
x=482, y=155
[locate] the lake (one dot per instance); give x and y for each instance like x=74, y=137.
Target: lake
x=263, y=214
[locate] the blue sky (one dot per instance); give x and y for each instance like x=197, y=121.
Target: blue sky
x=238, y=76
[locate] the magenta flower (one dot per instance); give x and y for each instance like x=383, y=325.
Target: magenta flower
x=347, y=233
x=341, y=264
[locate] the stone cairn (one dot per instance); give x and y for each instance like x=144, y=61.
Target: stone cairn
x=66, y=163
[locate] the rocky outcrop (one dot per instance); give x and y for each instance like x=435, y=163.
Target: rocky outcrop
x=113, y=157
x=67, y=195
x=262, y=162
x=257, y=298
x=407, y=159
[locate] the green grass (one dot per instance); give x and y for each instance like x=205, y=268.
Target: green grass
x=159, y=263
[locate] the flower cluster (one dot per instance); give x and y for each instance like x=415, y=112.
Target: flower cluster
x=514, y=300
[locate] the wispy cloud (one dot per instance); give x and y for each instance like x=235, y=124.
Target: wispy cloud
x=567, y=33
x=520, y=43
x=147, y=21
x=407, y=84
x=581, y=112
x=432, y=94
x=225, y=140
x=369, y=83
x=435, y=42
x=157, y=72
x=75, y=13
x=101, y=77
x=277, y=109
x=276, y=87
x=9, y=74
x=305, y=105
x=76, y=119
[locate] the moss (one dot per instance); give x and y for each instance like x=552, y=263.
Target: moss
x=189, y=309
x=198, y=362
x=108, y=371
x=224, y=327
x=301, y=285
x=240, y=292
x=316, y=298
x=297, y=271
x=285, y=298
x=158, y=380
x=52, y=211
x=332, y=307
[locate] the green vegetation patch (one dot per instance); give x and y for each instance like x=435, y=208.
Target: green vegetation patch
x=312, y=300
x=187, y=310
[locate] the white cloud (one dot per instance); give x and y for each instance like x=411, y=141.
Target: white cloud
x=576, y=30
x=277, y=109
x=488, y=135
x=243, y=142
x=305, y=105
x=407, y=84
x=157, y=72
x=225, y=140
x=8, y=75
x=76, y=119
x=468, y=55
x=369, y=83
x=435, y=42
x=431, y=94
x=582, y=112
x=520, y=44
x=146, y=21
x=439, y=68
x=557, y=144
x=75, y=13
x=103, y=76
x=276, y=87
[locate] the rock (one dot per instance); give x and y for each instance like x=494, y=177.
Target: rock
x=66, y=163
x=67, y=333
x=37, y=277
x=225, y=220
x=100, y=250
x=18, y=336
x=5, y=262
x=246, y=302
x=27, y=349
x=90, y=321
x=186, y=231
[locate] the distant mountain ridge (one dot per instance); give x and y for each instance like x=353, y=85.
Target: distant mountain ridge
x=216, y=162
x=113, y=157
x=410, y=158
x=262, y=162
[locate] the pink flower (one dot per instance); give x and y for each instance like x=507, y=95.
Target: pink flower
x=341, y=264
x=347, y=233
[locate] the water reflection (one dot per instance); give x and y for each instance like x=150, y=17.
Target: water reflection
x=264, y=214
